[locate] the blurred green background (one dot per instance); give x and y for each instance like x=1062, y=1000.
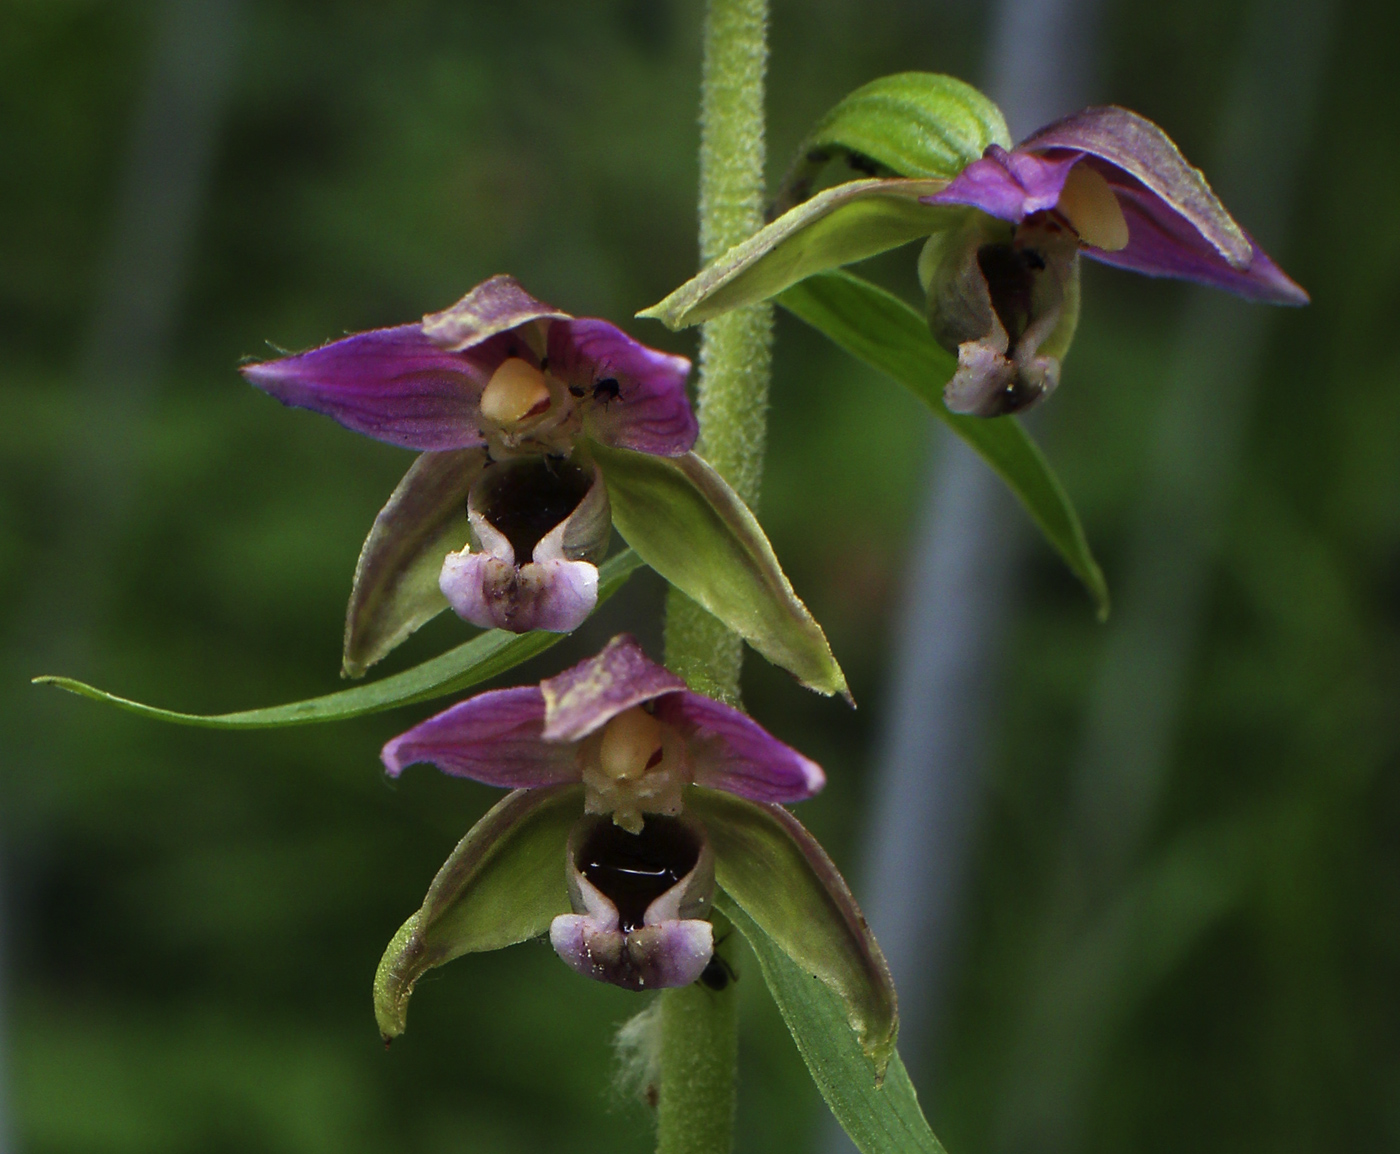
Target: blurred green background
x=191, y=919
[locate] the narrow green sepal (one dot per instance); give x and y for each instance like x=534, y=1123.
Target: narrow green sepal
x=395, y=590
x=504, y=883
x=837, y=226
x=684, y=521
x=916, y=124
x=884, y=332
x=780, y=877
x=485, y=656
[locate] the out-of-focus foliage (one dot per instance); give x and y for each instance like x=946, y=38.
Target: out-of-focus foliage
x=192, y=920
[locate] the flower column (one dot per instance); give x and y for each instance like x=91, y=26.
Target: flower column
x=699, y=1041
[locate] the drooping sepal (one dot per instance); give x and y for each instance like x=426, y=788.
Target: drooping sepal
x=395, y=590
x=686, y=523
x=915, y=124
x=504, y=883
x=838, y=226
x=780, y=876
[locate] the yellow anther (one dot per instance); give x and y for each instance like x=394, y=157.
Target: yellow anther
x=631, y=745
x=1091, y=207
x=517, y=390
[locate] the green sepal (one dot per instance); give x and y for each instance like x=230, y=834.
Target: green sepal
x=884, y=332
x=837, y=226
x=504, y=883
x=483, y=657
x=917, y=124
x=684, y=521
x=779, y=876
x=881, y=1117
x=395, y=590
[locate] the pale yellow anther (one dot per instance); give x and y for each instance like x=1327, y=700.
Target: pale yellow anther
x=517, y=390
x=632, y=744
x=1091, y=207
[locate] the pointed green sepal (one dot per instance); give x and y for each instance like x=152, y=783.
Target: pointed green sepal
x=504, y=883
x=396, y=579
x=837, y=226
x=917, y=124
x=684, y=521
x=781, y=878
x=884, y=332
x=483, y=657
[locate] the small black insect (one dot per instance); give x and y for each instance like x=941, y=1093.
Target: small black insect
x=717, y=974
x=606, y=390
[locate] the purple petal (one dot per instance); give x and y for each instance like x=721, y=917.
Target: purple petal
x=493, y=738
x=491, y=592
x=655, y=957
x=1161, y=243
x=1008, y=185
x=648, y=411
x=585, y=698
x=732, y=752
x=494, y=306
x=391, y=384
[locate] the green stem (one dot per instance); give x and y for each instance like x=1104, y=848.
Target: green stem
x=735, y=349
x=699, y=1026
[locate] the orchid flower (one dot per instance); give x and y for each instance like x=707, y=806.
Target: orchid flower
x=1105, y=182
x=641, y=874
x=505, y=515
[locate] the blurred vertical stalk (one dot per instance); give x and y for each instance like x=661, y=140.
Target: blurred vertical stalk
x=699, y=1029
x=162, y=188
x=1106, y=937
x=958, y=598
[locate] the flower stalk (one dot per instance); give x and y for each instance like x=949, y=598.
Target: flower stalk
x=699, y=1026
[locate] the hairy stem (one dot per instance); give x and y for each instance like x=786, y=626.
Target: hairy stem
x=699, y=1040
x=735, y=349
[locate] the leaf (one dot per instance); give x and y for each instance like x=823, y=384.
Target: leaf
x=885, y=333
x=395, y=591
x=780, y=876
x=681, y=518
x=917, y=124
x=837, y=226
x=880, y=1117
x=483, y=657
x=504, y=883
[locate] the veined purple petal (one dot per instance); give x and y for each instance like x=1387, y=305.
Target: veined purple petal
x=585, y=698
x=1162, y=243
x=732, y=752
x=391, y=384
x=494, y=738
x=495, y=306
x=632, y=396
x=1008, y=185
x=556, y=596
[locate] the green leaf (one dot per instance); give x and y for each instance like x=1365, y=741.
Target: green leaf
x=780, y=876
x=504, y=883
x=882, y=1117
x=471, y=663
x=917, y=124
x=838, y=226
x=885, y=333
x=692, y=528
x=395, y=591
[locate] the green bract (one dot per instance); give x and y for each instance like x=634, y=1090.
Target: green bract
x=684, y=521
x=884, y=332
x=920, y=124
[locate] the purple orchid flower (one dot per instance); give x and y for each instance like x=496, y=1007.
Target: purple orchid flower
x=501, y=393
x=640, y=874
x=1106, y=182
